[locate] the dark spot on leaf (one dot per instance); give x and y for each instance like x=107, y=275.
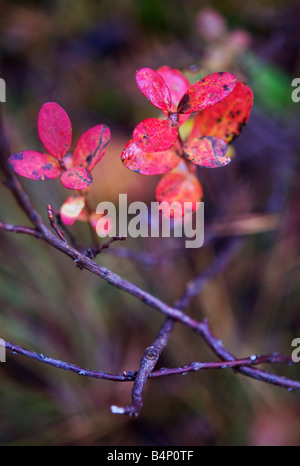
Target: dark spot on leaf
x=47, y=166
x=219, y=120
x=89, y=158
x=220, y=73
x=231, y=113
x=18, y=156
x=226, y=88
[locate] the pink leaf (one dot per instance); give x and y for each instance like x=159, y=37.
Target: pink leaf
x=55, y=130
x=154, y=135
x=71, y=209
x=76, y=178
x=35, y=165
x=148, y=163
x=180, y=186
x=207, y=152
x=206, y=92
x=177, y=83
x=91, y=147
x=153, y=86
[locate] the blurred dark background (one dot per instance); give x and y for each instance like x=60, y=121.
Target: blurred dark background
x=83, y=55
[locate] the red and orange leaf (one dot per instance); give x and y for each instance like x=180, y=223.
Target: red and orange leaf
x=206, y=92
x=207, y=151
x=54, y=129
x=153, y=86
x=35, y=165
x=76, y=178
x=177, y=83
x=148, y=163
x=71, y=209
x=180, y=186
x=154, y=135
x=225, y=119
x=91, y=147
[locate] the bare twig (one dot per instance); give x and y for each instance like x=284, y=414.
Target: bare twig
x=148, y=362
x=53, y=225
x=94, y=252
x=20, y=229
x=129, y=376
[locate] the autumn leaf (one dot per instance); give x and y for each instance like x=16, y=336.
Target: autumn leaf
x=177, y=83
x=179, y=186
x=71, y=209
x=207, y=151
x=91, y=147
x=35, y=165
x=148, y=163
x=206, y=92
x=154, y=135
x=54, y=129
x=76, y=178
x=225, y=119
x=153, y=86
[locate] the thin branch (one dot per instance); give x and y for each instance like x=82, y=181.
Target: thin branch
x=148, y=362
x=129, y=376
x=94, y=252
x=53, y=225
x=218, y=348
x=20, y=229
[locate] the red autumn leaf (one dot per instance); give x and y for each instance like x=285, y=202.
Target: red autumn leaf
x=148, y=163
x=76, y=178
x=54, y=129
x=207, y=151
x=225, y=119
x=91, y=147
x=71, y=209
x=153, y=86
x=206, y=92
x=177, y=83
x=181, y=186
x=35, y=165
x=154, y=135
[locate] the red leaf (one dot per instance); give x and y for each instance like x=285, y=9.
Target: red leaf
x=35, y=165
x=71, y=209
x=148, y=163
x=180, y=185
x=91, y=147
x=55, y=130
x=225, y=119
x=153, y=86
x=177, y=83
x=76, y=178
x=154, y=135
x=206, y=92
x=207, y=152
